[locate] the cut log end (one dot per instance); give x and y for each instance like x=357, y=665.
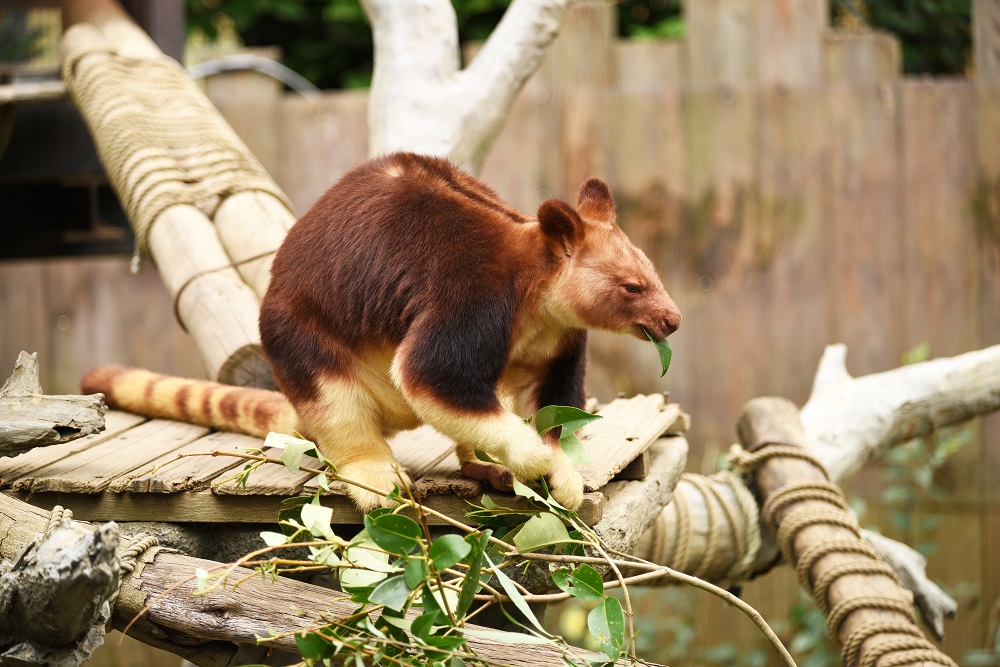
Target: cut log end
x=247, y=368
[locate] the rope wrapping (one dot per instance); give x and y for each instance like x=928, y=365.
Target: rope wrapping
x=161, y=141
x=798, y=505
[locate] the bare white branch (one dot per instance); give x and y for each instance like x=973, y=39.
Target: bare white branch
x=849, y=421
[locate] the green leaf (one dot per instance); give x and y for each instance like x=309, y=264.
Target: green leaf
x=471, y=584
x=272, y=539
x=415, y=572
x=294, y=449
x=663, y=349
x=317, y=519
x=392, y=593
x=570, y=418
x=525, y=491
x=607, y=623
x=423, y=625
x=484, y=457
x=574, y=449
x=314, y=646
x=583, y=582
x=448, y=550
x=541, y=530
x=515, y=596
x=395, y=533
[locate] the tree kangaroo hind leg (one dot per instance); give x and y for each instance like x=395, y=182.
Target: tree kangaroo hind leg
x=450, y=382
x=345, y=422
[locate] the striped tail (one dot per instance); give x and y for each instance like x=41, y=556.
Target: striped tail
x=220, y=406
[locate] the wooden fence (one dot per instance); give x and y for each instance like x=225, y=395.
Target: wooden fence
x=794, y=189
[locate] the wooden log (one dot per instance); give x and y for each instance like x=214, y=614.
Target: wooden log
x=849, y=421
x=776, y=420
x=29, y=419
x=53, y=600
x=204, y=627
x=251, y=226
x=217, y=308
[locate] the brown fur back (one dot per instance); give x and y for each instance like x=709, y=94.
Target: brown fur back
x=244, y=410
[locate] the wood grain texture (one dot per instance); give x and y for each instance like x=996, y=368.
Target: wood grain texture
x=208, y=507
x=629, y=427
x=94, y=468
x=173, y=475
x=873, y=58
x=15, y=469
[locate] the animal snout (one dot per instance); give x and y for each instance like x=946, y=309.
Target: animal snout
x=672, y=321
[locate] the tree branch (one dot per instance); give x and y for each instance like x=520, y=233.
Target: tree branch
x=29, y=419
x=849, y=421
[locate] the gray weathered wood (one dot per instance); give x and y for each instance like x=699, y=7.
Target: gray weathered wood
x=205, y=625
x=93, y=469
x=12, y=469
x=29, y=419
x=53, y=600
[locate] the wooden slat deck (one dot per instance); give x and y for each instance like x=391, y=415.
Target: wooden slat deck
x=131, y=471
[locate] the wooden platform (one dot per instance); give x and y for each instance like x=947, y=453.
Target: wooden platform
x=108, y=476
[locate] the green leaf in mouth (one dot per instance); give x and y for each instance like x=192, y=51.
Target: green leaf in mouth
x=663, y=349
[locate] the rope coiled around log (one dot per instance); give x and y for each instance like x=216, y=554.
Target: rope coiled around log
x=892, y=642
x=161, y=141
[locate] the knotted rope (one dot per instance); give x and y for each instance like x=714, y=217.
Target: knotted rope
x=890, y=643
x=161, y=141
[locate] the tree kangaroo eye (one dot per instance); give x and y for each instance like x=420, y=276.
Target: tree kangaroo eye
x=631, y=289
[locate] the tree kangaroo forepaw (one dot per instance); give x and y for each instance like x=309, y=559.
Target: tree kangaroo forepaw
x=380, y=476
x=566, y=486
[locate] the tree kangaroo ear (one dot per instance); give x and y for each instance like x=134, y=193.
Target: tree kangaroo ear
x=560, y=223
x=595, y=201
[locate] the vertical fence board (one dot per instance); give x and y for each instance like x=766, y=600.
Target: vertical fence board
x=25, y=324
x=724, y=310
x=788, y=43
x=320, y=138
x=792, y=174
x=986, y=39
x=248, y=100
x=719, y=42
x=110, y=316
x=866, y=58
x=937, y=171
x=984, y=200
x=865, y=291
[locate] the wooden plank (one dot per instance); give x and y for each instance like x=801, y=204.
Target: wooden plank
x=937, y=172
x=629, y=427
x=25, y=465
x=986, y=39
x=723, y=305
x=719, y=40
x=986, y=217
x=648, y=65
x=873, y=57
x=93, y=469
x=98, y=313
x=27, y=323
x=319, y=139
x=187, y=474
x=269, y=479
x=792, y=177
x=208, y=507
x=862, y=211
x=788, y=42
